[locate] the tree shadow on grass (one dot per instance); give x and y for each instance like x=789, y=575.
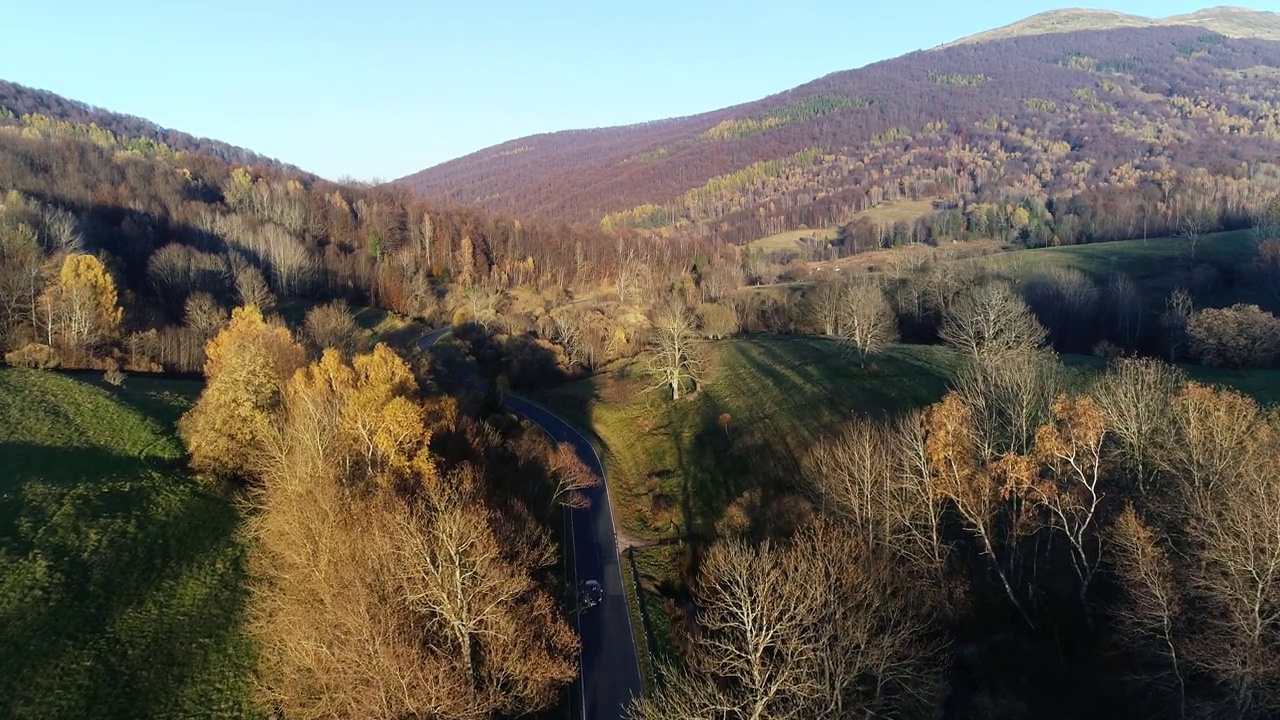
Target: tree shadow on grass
x=121, y=595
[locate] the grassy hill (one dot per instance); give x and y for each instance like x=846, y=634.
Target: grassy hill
x=1229, y=21
x=121, y=584
x=1216, y=272
x=674, y=468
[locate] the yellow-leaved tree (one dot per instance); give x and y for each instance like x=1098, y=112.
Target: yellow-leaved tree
x=229, y=427
x=80, y=308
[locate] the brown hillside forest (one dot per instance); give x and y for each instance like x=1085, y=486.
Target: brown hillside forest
x=1086, y=136
x=1039, y=542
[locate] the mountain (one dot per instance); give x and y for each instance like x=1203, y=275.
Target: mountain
x=18, y=100
x=1086, y=119
x=1229, y=21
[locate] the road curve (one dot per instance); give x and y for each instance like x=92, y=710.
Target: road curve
x=610, y=666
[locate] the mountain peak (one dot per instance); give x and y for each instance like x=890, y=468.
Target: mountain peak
x=1232, y=21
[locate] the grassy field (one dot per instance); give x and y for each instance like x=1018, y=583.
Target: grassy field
x=674, y=468
x=1158, y=265
x=885, y=213
x=121, y=584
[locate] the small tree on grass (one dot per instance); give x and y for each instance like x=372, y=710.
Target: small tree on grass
x=1192, y=228
x=674, y=358
x=867, y=322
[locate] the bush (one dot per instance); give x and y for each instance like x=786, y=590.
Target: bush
x=717, y=320
x=1241, y=336
x=34, y=355
x=113, y=375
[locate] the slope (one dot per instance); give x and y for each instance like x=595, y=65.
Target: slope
x=1060, y=115
x=1229, y=21
x=120, y=580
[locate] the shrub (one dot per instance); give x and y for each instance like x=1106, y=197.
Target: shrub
x=717, y=320
x=1236, y=337
x=113, y=375
x=33, y=355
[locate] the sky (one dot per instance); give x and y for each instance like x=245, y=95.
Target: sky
x=379, y=89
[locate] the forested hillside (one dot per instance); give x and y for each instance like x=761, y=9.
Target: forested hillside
x=1049, y=138
x=114, y=245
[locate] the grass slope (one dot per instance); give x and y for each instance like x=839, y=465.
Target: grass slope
x=1215, y=273
x=121, y=585
x=884, y=214
x=674, y=470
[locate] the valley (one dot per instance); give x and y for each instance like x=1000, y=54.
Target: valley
x=943, y=386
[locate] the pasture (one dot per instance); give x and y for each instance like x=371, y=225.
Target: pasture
x=121, y=581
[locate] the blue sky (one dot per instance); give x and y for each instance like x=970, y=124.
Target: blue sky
x=382, y=88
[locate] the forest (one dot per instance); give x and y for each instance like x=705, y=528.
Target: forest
x=1096, y=135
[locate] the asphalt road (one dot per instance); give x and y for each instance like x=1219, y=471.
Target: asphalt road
x=610, y=666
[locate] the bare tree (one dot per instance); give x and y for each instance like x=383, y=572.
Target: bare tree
x=333, y=326
x=1065, y=301
x=1009, y=398
x=572, y=477
x=853, y=476
x=822, y=628
x=1176, y=315
x=867, y=322
x=1152, y=605
x=991, y=322
x=1192, y=227
x=1135, y=395
x=1241, y=578
x=824, y=308
x=1125, y=302
x=674, y=358
x=204, y=315
x=252, y=289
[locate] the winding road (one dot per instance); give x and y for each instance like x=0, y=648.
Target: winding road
x=609, y=676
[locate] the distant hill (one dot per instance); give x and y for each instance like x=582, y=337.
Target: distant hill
x=1125, y=114
x=1232, y=22
x=18, y=100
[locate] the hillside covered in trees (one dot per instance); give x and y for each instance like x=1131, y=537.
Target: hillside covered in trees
x=1049, y=137
x=114, y=245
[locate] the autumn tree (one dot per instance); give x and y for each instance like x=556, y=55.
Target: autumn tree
x=717, y=319
x=383, y=587
x=1150, y=613
x=867, y=323
x=822, y=628
x=674, y=358
x=1066, y=480
x=80, y=308
x=247, y=364
x=1236, y=337
x=332, y=325
x=977, y=488
x=572, y=477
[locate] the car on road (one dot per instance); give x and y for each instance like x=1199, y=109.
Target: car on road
x=590, y=594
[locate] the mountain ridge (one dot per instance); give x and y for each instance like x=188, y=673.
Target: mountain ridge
x=1056, y=114
x=1229, y=20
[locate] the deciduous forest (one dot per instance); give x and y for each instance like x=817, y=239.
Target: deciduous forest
x=1016, y=456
